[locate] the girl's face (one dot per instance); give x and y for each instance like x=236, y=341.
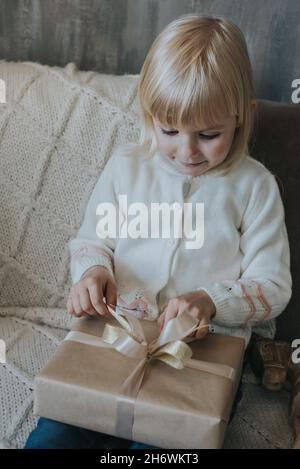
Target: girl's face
x=195, y=151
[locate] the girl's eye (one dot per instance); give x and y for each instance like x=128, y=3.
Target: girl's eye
x=204, y=136
x=209, y=137
x=169, y=132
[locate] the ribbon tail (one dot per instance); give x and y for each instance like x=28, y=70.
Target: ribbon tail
x=132, y=384
x=126, y=400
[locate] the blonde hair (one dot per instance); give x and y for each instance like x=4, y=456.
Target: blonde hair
x=198, y=69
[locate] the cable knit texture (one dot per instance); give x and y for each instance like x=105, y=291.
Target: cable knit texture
x=57, y=131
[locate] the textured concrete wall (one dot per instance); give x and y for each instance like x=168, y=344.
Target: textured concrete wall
x=113, y=36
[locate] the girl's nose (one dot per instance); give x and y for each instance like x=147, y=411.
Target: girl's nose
x=189, y=148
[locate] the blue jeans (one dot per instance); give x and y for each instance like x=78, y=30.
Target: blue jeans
x=50, y=434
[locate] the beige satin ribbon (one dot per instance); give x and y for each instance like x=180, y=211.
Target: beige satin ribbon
x=130, y=341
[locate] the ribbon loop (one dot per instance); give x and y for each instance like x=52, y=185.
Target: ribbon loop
x=168, y=347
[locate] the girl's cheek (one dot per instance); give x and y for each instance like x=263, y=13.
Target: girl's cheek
x=211, y=149
x=219, y=147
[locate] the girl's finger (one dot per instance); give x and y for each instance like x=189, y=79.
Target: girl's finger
x=96, y=295
x=76, y=305
x=202, y=329
x=170, y=312
x=85, y=303
x=111, y=293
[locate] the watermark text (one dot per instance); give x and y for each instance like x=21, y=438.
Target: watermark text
x=296, y=93
x=154, y=223
x=296, y=353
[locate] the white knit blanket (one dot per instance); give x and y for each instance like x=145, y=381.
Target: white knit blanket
x=57, y=131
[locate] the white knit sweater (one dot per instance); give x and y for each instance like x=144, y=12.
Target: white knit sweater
x=243, y=263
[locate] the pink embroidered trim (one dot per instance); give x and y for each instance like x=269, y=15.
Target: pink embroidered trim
x=264, y=302
x=250, y=302
x=261, y=297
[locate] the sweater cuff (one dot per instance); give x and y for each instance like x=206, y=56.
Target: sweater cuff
x=81, y=264
x=232, y=309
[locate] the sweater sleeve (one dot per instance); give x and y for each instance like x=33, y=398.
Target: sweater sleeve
x=265, y=285
x=90, y=247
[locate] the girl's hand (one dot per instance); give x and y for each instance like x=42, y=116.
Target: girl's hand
x=86, y=296
x=197, y=303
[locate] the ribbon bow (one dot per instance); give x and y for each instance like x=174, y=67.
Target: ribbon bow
x=131, y=342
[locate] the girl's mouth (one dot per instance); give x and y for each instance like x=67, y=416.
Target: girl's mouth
x=193, y=164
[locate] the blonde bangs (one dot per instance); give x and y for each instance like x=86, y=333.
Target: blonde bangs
x=193, y=101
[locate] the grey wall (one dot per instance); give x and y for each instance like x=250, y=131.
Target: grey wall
x=113, y=36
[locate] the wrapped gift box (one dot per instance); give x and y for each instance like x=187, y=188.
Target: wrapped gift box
x=90, y=383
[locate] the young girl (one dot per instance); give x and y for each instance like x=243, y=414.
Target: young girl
x=196, y=99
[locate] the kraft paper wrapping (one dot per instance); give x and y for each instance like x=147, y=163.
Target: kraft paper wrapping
x=83, y=385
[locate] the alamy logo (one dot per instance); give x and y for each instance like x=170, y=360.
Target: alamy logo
x=2, y=351
x=296, y=353
x=296, y=93
x=146, y=224
x=2, y=92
